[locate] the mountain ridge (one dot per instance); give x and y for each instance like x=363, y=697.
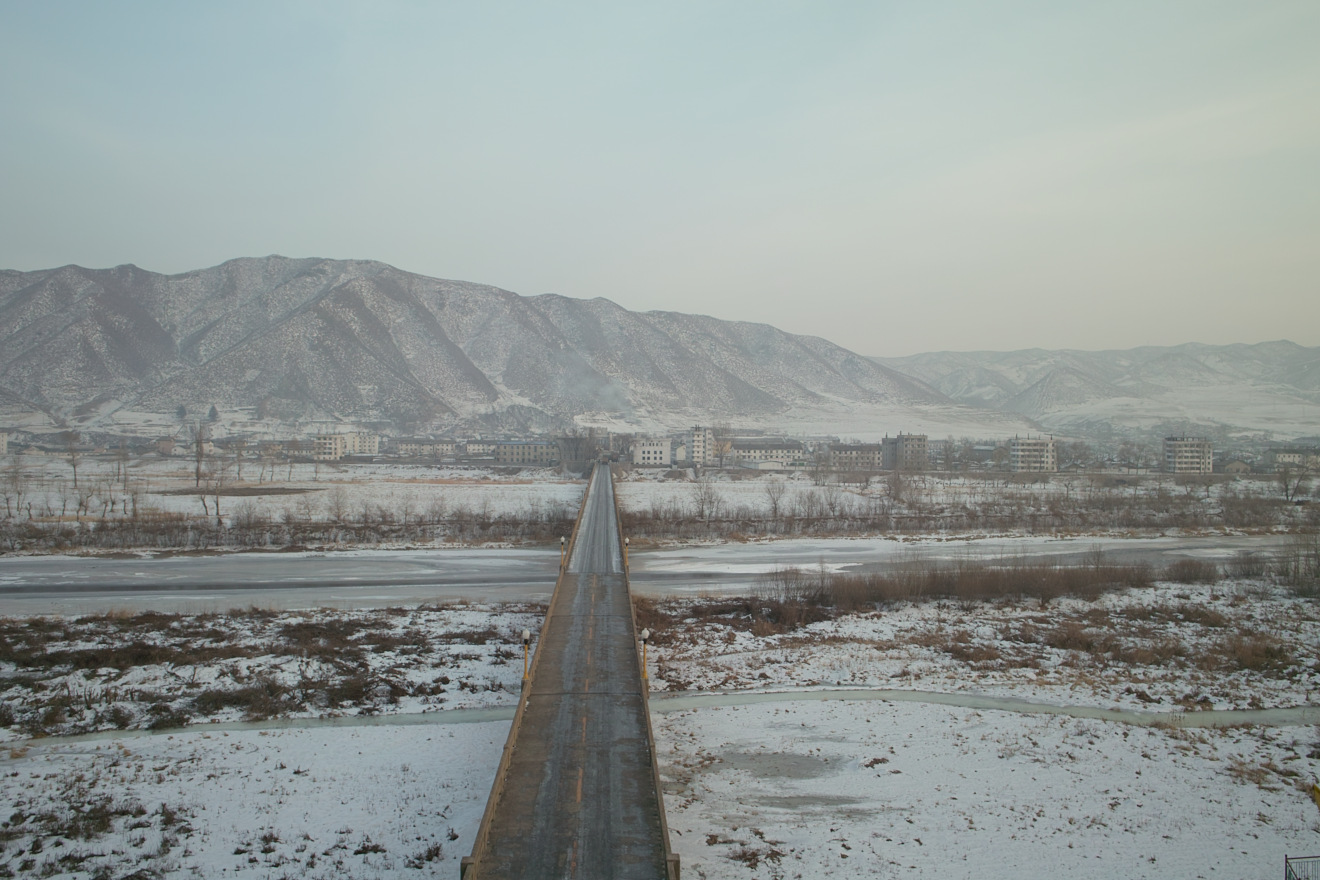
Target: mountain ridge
x=363, y=340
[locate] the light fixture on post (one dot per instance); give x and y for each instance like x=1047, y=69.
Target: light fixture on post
x=527, y=641
x=645, y=634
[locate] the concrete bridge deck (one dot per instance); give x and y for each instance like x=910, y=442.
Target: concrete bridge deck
x=577, y=793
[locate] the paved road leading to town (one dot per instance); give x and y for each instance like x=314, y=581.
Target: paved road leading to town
x=579, y=798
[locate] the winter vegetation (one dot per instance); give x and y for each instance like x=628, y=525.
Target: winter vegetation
x=113, y=502
x=678, y=506
x=178, y=769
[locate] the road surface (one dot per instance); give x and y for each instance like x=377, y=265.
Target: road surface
x=579, y=798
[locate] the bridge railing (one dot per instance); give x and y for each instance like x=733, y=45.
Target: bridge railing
x=506, y=757
x=671, y=858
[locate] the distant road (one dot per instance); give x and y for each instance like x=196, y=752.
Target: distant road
x=376, y=578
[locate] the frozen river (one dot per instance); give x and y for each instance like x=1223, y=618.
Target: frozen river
x=377, y=578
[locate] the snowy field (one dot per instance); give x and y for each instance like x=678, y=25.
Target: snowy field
x=787, y=787
x=302, y=492
x=840, y=789
x=1179, y=647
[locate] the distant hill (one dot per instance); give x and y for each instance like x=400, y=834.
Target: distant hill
x=318, y=338
x=1270, y=386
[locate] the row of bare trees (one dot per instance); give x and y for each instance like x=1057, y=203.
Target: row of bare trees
x=912, y=504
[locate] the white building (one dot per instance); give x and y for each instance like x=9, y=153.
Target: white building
x=328, y=447
x=1035, y=455
x=700, y=443
x=769, y=454
x=332, y=447
x=653, y=452
x=1188, y=455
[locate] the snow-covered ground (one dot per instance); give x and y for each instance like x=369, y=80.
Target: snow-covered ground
x=316, y=802
x=839, y=789
x=306, y=492
x=71, y=676
x=1176, y=646
x=783, y=788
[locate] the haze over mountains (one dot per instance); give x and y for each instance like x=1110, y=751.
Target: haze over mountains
x=1270, y=386
x=358, y=340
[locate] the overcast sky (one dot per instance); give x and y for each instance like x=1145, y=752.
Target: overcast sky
x=896, y=177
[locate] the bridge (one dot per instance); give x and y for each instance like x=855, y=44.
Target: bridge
x=577, y=791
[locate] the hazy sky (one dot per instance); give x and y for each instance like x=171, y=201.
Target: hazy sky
x=896, y=177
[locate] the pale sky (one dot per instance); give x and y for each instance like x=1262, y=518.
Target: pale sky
x=895, y=177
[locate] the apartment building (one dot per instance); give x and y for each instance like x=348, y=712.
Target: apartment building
x=1295, y=457
x=769, y=454
x=700, y=445
x=1188, y=455
x=906, y=452
x=653, y=452
x=527, y=452
x=856, y=457
x=332, y=447
x=1033, y=455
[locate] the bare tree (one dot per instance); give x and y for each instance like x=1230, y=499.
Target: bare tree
x=14, y=487
x=121, y=463
x=337, y=500
x=71, y=450
x=1294, y=480
x=200, y=433
x=239, y=446
x=774, y=489
x=217, y=477
x=832, y=496
x=706, y=498
x=722, y=446
x=294, y=450
x=895, y=485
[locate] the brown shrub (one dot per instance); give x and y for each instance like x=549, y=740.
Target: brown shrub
x=1252, y=651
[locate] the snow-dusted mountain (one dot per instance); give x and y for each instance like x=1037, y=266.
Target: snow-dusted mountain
x=1271, y=386
x=295, y=338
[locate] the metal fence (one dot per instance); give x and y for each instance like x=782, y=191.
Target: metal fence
x=1301, y=868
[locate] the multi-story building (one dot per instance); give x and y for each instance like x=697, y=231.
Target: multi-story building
x=906, y=452
x=332, y=447
x=328, y=447
x=769, y=454
x=700, y=443
x=527, y=452
x=856, y=457
x=653, y=452
x=1296, y=457
x=1034, y=455
x=1188, y=455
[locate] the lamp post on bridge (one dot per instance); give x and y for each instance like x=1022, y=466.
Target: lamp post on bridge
x=645, y=634
x=527, y=641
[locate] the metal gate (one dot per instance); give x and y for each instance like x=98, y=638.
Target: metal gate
x=1301, y=868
